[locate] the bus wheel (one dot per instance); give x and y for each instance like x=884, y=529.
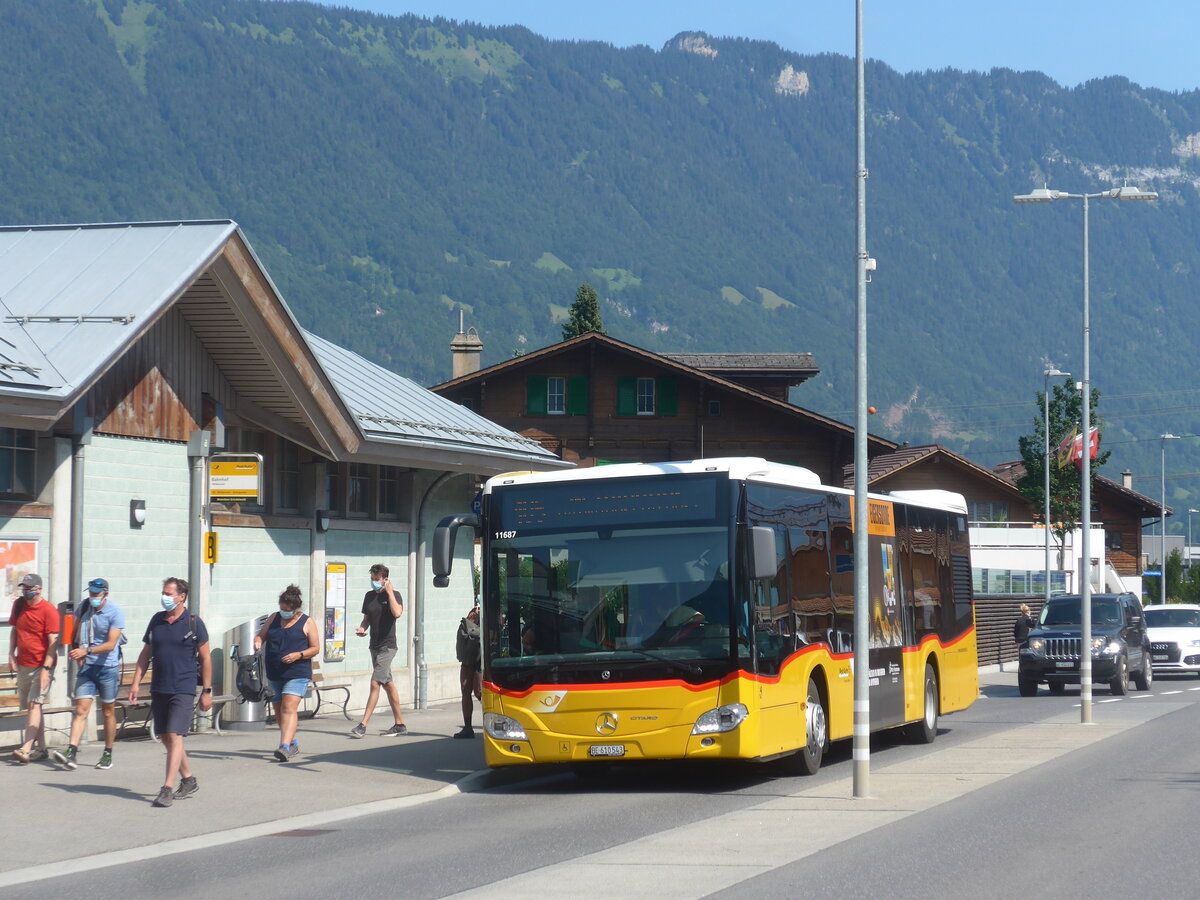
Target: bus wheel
x=924, y=731
x=816, y=733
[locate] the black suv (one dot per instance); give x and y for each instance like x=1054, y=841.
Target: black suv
x=1120, y=645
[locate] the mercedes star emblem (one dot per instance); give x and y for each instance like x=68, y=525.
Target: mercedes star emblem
x=606, y=723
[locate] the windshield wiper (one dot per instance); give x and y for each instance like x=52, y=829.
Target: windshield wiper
x=676, y=664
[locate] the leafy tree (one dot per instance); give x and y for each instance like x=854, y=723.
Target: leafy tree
x=1066, y=410
x=1183, y=585
x=585, y=314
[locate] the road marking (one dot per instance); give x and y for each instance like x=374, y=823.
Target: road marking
x=702, y=858
x=1168, y=693
x=233, y=835
x=1113, y=700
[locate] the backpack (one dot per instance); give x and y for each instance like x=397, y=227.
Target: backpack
x=466, y=642
x=251, y=679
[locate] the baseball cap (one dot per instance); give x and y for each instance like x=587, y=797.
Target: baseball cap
x=32, y=580
x=97, y=585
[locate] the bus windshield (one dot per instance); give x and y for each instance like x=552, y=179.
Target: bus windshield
x=644, y=592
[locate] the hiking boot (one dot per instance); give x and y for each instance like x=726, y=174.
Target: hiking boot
x=65, y=759
x=105, y=759
x=396, y=730
x=466, y=732
x=186, y=788
x=21, y=756
x=359, y=730
x=164, y=797
x=38, y=754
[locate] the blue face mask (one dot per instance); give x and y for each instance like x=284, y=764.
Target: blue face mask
x=168, y=603
x=96, y=602
x=377, y=585
x=286, y=613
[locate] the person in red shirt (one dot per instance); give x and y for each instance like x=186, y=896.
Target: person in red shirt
x=33, y=654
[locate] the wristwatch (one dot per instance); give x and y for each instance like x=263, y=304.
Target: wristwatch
x=206, y=691
x=48, y=668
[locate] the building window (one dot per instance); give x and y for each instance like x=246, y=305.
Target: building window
x=287, y=465
x=989, y=511
x=714, y=407
x=556, y=395
x=333, y=488
x=17, y=456
x=645, y=396
x=358, y=484
x=389, y=492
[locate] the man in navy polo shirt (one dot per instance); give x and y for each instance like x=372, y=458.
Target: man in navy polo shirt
x=98, y=639
x=177, y=643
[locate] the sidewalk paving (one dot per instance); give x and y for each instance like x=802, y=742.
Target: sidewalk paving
x=89, y=810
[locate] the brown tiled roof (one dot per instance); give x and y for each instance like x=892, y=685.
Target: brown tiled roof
x=773, y=363
x=889, y=463
x=1013, y=472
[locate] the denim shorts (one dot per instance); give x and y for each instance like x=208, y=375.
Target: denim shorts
x=297, y=687
x=96, y=680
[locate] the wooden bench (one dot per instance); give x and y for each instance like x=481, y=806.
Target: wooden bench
x=144, y=720
x=10, y=707
x=320, y=685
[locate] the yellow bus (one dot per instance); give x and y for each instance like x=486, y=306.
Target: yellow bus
x=705, y=610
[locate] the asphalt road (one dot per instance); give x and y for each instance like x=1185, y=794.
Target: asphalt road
x=1117, y=814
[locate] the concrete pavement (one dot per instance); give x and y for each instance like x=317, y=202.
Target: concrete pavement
x=50, y=815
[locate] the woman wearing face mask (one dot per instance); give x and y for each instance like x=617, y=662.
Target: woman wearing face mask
x=291, y=642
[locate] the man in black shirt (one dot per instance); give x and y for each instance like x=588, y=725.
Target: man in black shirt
x=381, y=608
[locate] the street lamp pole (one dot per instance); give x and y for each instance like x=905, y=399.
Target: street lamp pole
x=1051, y=372
x=1162, y=519
x=1045, y=195
x=1189, y=546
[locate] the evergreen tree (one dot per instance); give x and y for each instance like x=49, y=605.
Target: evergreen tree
x=1066, y=410
x=585, y=314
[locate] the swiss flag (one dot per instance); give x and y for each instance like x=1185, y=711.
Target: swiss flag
x=1093, y=447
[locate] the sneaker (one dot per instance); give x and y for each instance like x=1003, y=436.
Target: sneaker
x=38, y=754
x=359, y=730
x=105, y=760
x=466, y=732
x=21, y=756
x=282, y=752
x=164, y=797
x=396, y=730
x=187, y=787
x=65, y=759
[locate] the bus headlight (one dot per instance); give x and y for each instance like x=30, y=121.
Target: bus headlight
x=723, y=718
x=502, y=728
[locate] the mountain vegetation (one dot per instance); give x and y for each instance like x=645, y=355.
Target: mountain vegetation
x=393, y=170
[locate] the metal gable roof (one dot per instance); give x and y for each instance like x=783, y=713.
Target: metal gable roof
x=74, y=296
x=392, y=408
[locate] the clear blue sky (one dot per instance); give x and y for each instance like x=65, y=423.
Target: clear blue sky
x=1152, y=43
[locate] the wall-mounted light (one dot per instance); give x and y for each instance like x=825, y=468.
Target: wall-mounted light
x=137, y=513
x=322, y=518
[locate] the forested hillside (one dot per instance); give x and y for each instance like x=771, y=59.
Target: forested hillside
x=392, y=170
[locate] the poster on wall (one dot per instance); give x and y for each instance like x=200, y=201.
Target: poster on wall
x=335, y=612
x=19, y=558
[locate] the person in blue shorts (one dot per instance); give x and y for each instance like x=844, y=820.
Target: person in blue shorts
x=98, y=639
x=292, y=641
x=177, y=643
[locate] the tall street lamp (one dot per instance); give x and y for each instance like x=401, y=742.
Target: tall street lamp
x=1189, y=546
x=1051, y=372
x=1162, y=521
x=1045, y=195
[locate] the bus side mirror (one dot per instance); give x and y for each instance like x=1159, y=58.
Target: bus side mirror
x=443, y=544
x=763, y=563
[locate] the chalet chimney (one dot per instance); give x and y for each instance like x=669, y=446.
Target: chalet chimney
x=1127, y=480
x=465, y=350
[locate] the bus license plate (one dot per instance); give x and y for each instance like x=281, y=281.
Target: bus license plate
x=1066, y=663
x=606, y=750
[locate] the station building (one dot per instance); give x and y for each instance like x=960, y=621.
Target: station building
x=124, y=350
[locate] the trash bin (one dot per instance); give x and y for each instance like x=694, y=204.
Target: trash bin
x=239, y=716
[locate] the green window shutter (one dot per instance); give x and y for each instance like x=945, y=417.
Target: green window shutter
x=535, y=396
x=626, y=396
x=668, y=396
x=577, y=395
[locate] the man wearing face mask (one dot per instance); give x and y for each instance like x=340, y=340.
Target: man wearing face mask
x=177, y=643
x=99, y=637
x=381, y=608
x=33, y=654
